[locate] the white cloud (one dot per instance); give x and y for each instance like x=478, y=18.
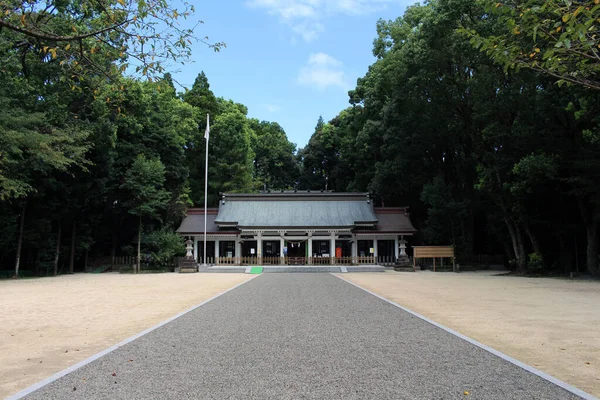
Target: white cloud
x=271, y=108
x=304, y=16
x=324, y=60
x=308, y=31
x=322, y=71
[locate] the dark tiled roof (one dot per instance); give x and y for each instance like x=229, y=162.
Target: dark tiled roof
x=194, y=221
x=393, y=220
x=298, y=212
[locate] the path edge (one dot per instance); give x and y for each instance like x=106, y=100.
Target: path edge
x=96, y=356
x=520, y=364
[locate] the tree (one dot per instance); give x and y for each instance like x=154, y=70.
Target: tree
x=146, y=196
x=34, y=145
x=482, y=155
x=230, y=154
x=274, y=163
x=164, y=246
x=201, y=97
x=139, y=34
x=558, y=38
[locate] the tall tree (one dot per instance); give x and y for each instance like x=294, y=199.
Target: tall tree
x=146, y=196
x=274, y=163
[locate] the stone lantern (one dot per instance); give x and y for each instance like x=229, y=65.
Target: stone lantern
x=403, y=260
x=189, y=247
x=188, y=263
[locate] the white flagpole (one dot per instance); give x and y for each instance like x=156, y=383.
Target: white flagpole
x=206, y=136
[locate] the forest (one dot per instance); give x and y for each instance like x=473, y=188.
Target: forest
x=482, y=117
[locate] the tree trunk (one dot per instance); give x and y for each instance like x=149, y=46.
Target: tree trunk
x=518, y=247
x=591, y=228
x=72, y=261
x=522, y=253
x=57, y=253
x=564, y=255
x=534, y=242
x=509, y=253
x=113, y=247
x=592, y=248
x=20, y=240
x=85, y=263
x=137, y=268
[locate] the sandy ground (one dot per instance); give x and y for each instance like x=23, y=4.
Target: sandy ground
x=550, y=324
x=49, y=324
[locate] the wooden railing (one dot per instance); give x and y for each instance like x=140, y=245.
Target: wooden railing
x=356, y=260
x=481, y=259
x=386, y=261
x=209, y=260
x=125, y=261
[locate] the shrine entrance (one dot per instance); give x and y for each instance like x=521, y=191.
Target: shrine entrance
x=296, y=253
x=249, y=248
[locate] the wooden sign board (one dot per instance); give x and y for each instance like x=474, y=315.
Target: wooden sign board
x=433, y=252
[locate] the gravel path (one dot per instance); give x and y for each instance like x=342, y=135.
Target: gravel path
x=299, y=336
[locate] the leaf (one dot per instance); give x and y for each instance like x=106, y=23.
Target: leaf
x=68, y=46
x=548, y=54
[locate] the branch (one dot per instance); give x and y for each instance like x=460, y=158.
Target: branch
x=57, y=38
x=581, y=81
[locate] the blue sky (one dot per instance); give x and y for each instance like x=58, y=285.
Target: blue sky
x=288, y=61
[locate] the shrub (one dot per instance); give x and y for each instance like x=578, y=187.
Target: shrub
x=164, y=246
x=535, y=263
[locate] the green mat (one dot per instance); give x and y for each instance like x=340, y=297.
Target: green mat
x=256, y=270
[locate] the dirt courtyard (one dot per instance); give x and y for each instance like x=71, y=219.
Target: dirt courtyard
x=550, y=324
x=49, y=324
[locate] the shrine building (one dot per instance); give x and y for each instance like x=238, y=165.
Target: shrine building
x=298, y=228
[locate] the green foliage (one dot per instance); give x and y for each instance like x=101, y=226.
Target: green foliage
x=490, y=159
x=535, y=263
x=444, y=215
x=102, y=159
x=29, y=152
x=274, y=163
x=144, y=185
x=230, y=156
x=164, y=246
x=487, y=158
x=88, y=38
x=559, y=38
x=201, y=97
